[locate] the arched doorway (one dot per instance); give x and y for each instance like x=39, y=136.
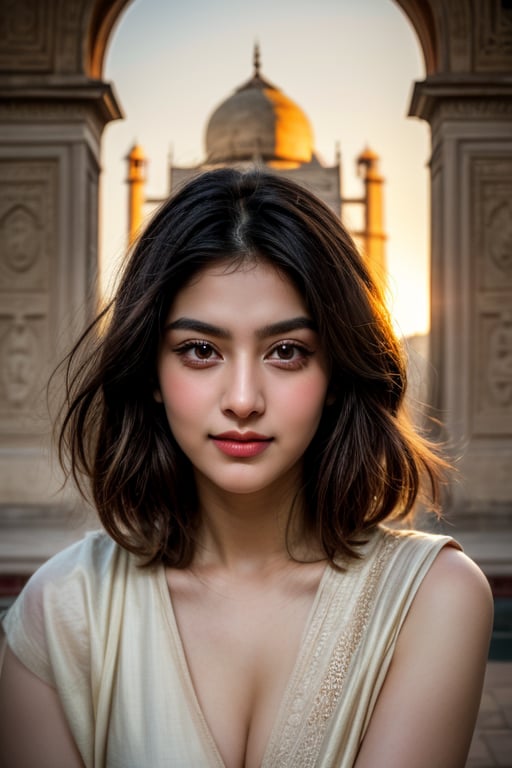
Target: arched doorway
x=53, y=108
x=354, y=87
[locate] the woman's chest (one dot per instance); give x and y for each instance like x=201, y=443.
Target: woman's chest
x=240, y=653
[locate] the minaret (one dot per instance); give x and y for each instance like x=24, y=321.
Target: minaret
x=136, y=180
x=373, y=234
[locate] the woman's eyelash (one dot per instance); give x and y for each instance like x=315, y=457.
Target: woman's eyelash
x=196, y=345
x=295, y=357
x=287, y=354
x=292, y=345
x=186, y=345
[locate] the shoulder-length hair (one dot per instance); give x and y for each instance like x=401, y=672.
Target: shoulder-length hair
x=365, y=464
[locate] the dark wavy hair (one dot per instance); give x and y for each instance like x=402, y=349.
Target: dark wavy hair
x=365, y=464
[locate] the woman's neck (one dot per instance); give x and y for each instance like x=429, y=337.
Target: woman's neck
x=245, y=532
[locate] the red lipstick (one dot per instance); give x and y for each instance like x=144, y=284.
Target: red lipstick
x=241, y=445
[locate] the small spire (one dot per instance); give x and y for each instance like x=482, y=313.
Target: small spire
x=256, y=59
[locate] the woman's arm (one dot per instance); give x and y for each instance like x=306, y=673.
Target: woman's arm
x=34, y=732
x=427, y=708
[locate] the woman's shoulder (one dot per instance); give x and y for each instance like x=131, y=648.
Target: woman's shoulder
x=415, y=537
x=424, y=564
x=63, y=605
x=452, y=580
x=86, y=560
x=401, y=547
x=452, y=587
x=58, y=591
x=407, y=547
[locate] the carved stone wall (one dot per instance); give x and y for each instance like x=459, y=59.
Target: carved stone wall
x=491, y=238
x=48, y=213
x=462, y=36
x=28, y=220
x=492, y=36
x=51, y=120
x=53, y=107
x=43, y=36
x=471, y=169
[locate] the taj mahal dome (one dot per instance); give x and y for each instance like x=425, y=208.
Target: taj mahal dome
x=259, y=124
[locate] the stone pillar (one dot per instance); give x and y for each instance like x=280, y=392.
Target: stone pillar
x=51, y=119
x=471, y=337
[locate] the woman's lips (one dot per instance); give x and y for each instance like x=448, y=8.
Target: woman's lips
x=242, y=445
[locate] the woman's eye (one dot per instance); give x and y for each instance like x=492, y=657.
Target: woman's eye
x=197, y=352
x=289, y=354
x=203, y=351
x=286, y=351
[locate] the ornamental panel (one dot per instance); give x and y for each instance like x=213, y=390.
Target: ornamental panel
x=70, y=36
x=493, y=406
x=28, y=200
x=28, y=221
x=492, y=31
x=23, y=358
x=491, y=243
x=492, y=223
x=27, y=40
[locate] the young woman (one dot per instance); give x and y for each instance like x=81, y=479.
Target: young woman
x=241, y=423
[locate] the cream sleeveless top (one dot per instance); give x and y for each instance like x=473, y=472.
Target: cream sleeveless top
x=102, y=631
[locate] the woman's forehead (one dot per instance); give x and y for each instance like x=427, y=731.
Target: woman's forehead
x=225, y=288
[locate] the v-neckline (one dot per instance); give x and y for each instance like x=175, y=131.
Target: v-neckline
x=205, y=732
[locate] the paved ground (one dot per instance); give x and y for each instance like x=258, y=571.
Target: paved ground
x=492, y=742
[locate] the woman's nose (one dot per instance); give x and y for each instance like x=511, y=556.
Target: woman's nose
x=243, y=390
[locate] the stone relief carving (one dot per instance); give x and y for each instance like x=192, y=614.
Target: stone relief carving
x=71, y=32
x=457, y=20
x=23, y=366
x=499, y=236
x=27, y=35
x=19, y=363
x=500, y=361
x=493, y=30
x=28, y=200
x=20, y=239
x=468, y=108
x=491, y=222
x=493, y=368
x=27, y=224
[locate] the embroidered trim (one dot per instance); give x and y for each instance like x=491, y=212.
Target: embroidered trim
x=302, y=734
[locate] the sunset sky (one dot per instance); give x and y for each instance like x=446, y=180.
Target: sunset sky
x=349, y=64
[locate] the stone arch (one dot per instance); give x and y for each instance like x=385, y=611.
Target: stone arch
x=103, y=18
x=467, y=99
x=421, y=16
x=105, y=14
x=53, y=108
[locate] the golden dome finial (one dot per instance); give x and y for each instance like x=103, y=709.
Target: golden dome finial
x=256, y=59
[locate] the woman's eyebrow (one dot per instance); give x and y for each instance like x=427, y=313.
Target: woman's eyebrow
x=189, y=324
x=273, y=329
x=286, y=326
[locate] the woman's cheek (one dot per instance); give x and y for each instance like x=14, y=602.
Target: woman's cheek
x=307, y=398
x=183, y=394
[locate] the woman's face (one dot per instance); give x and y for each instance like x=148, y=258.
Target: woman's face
x=242, y=377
